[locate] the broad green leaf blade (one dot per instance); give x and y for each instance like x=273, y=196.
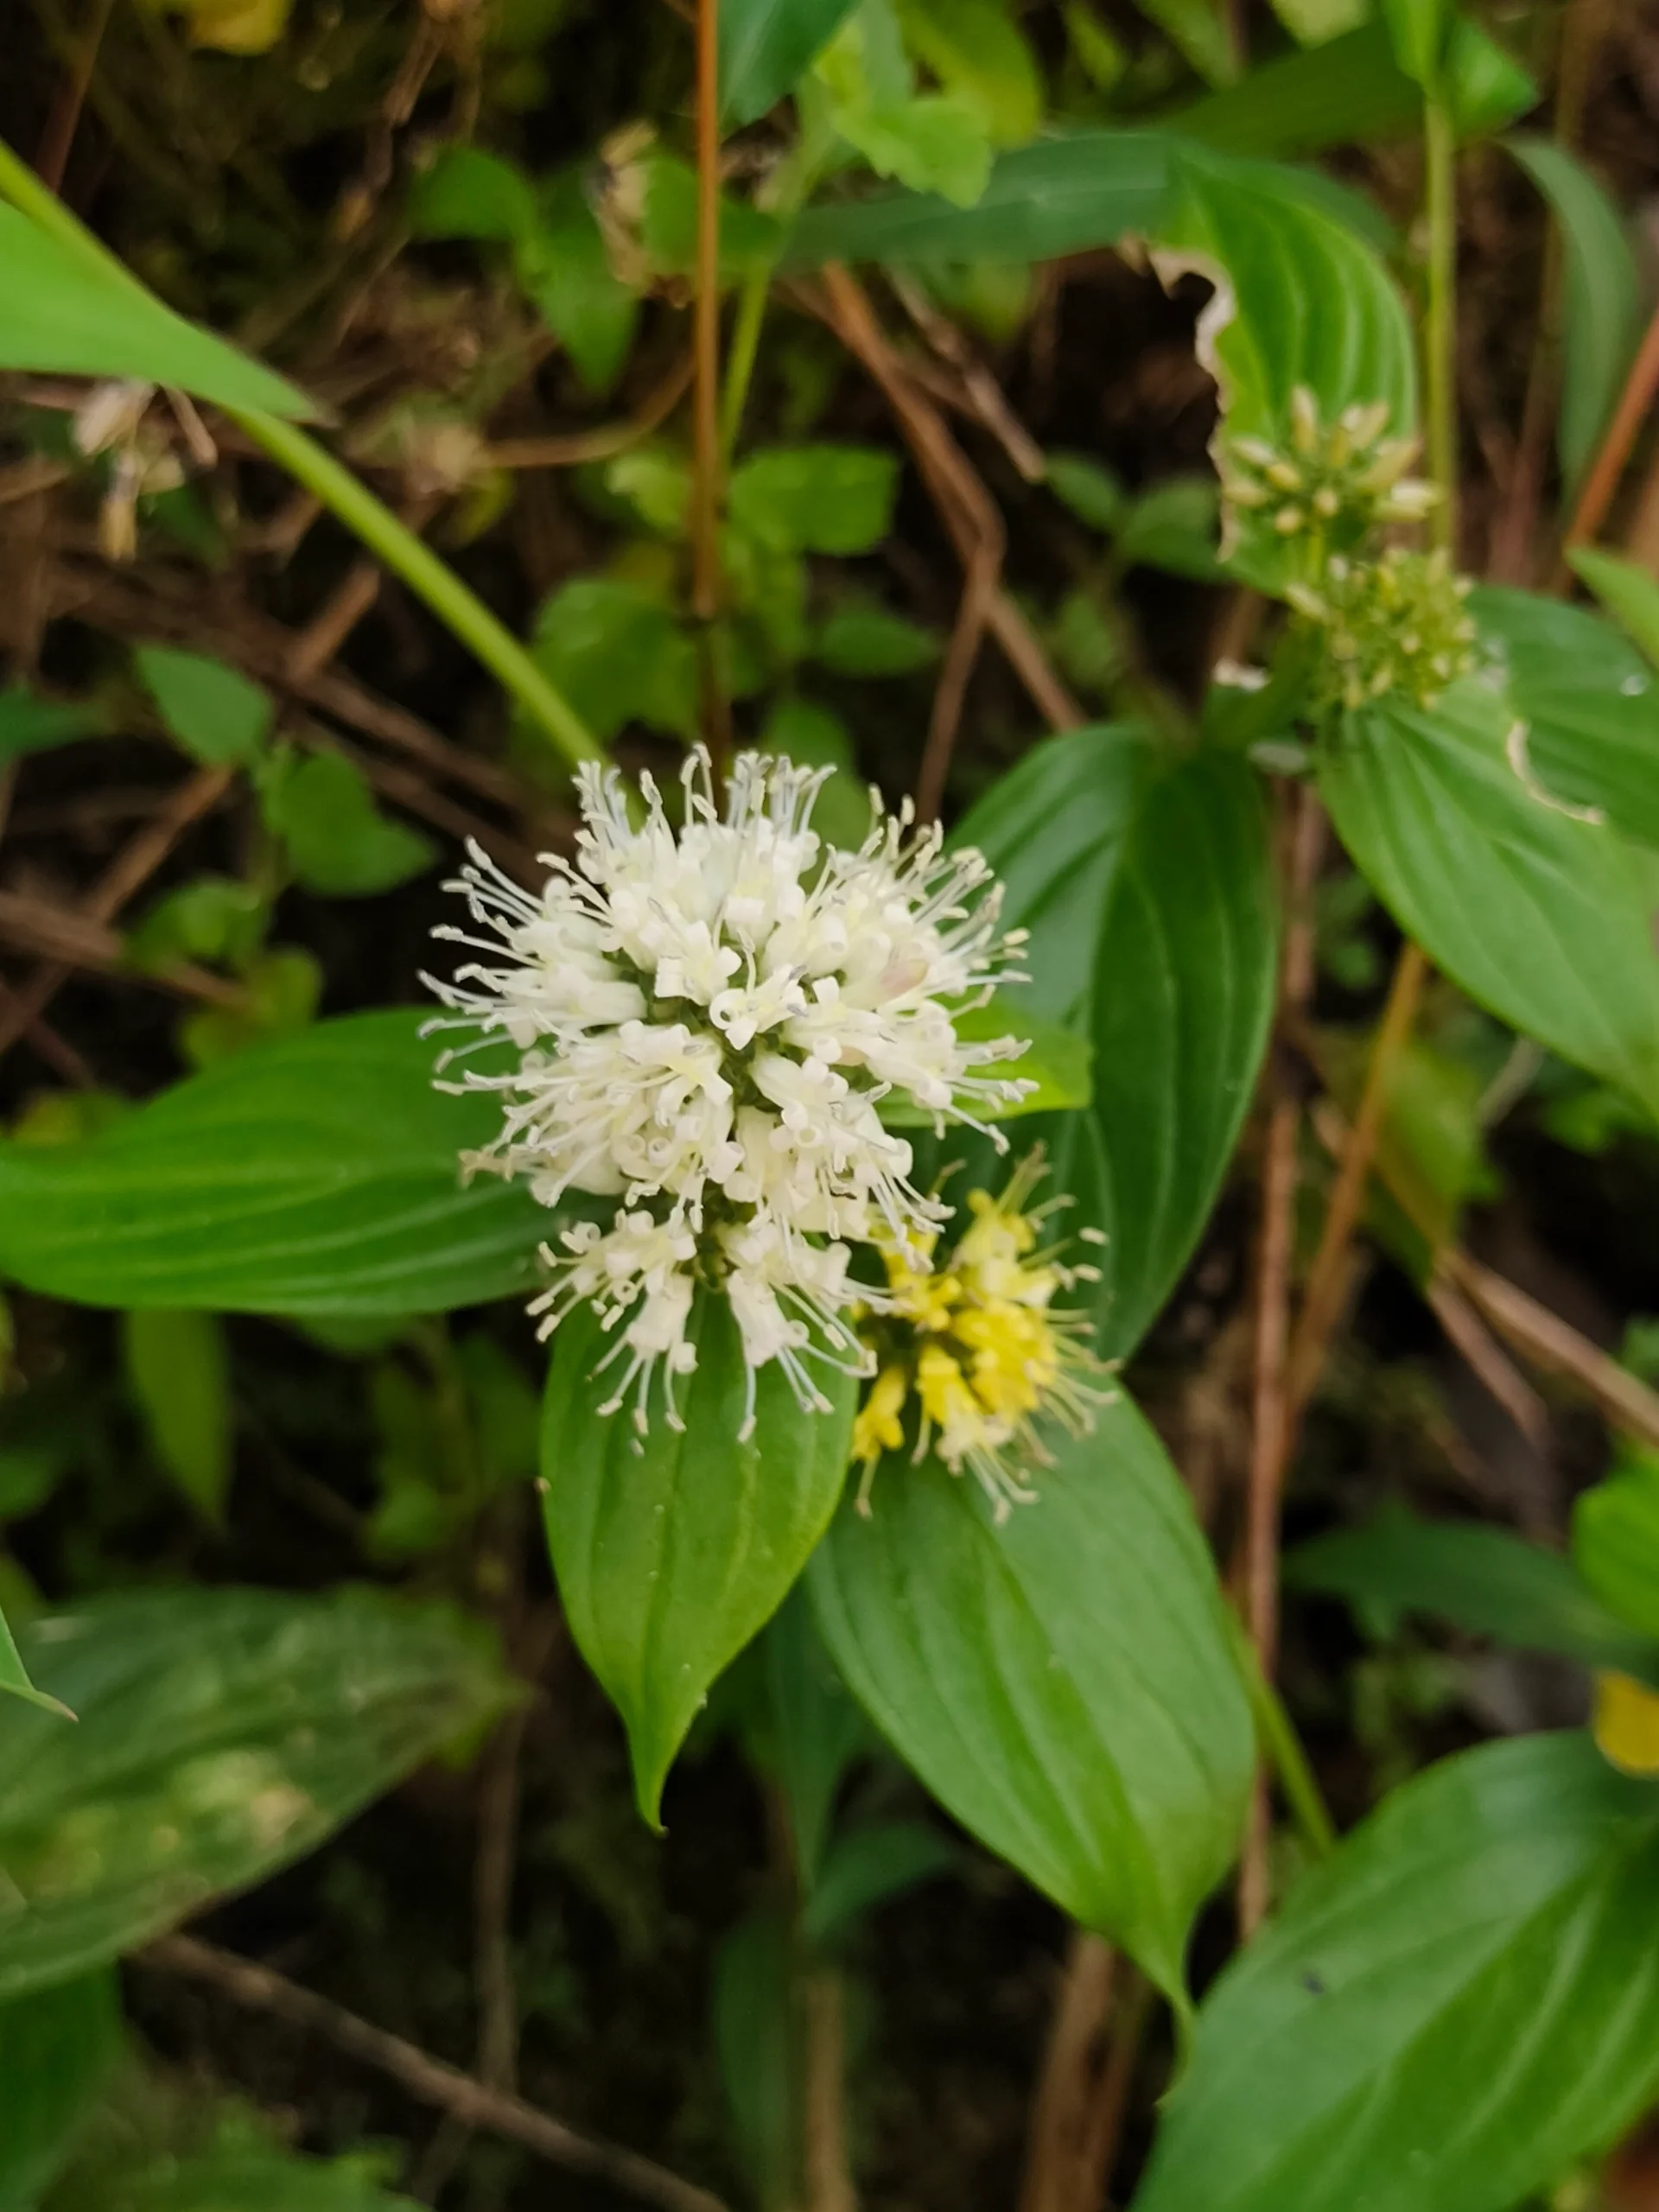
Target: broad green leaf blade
x=1352, y=89
x=315, y=1175
x=1058, y=196
x=1064, y=1683
x=1185, y=976
x=66, y=316
x=1301, y=299
x=1448, y=2013
x=1615, y=1547
x=55, y=2048
x=982, y=57
x=467, y=193
x=1053, y=829
x=221, y=1734
x=29, y=724
x=766, y=46
x=1628, y=591
x=1149, y=895
x=818, y=499
x=219, y=717
x=1602, y=304
x=1590, y=704
x=14, y=1677
x=673, y=1549
x=1543, y=919
x=179, y=1371
x=1481, y=1579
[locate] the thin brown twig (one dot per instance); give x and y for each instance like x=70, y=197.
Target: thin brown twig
x=965, y=507
x=127, y=874
x=1270, y=1407
x=1322, y=1305
x=53, y=158
x=984, y=396
x=428, y=2079
x=1469, y=1335
x=825, y=2170
x=1602, y=481
x=1558, y=1348
x=603, y=443
x=1111, y=2107
x=979, y=590
x=1069, y=2085
x=69, y=939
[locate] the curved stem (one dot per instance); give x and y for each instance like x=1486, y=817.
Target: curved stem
x=408, y=557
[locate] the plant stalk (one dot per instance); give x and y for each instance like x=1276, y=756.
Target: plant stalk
x=408, y=557
x=1440, y=316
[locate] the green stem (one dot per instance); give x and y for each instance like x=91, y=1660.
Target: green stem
x=1441, y=318
x=740, y=359
x=1278, y=1739
x=407, y=556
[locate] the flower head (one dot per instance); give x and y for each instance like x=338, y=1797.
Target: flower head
x=1334, y=483
x=1398, y=624
x=979, y=1342
x=706, y=1020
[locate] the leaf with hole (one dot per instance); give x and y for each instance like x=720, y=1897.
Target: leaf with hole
x=674, y=1547
x=220, y=1734
x=1544, y=920
x=1394, y=2039
x=69, y=314
x=1590, y=703
x=319, y=1174
x=1064, y=1681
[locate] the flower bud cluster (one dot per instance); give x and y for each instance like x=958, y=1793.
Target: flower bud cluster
x=1398, y=624
x=1334, y=485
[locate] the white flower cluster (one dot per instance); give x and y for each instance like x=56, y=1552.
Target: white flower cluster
x=708, y=1020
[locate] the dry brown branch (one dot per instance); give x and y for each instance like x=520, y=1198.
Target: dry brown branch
x=1322, y=1305
x=69, y=939
x=1558, y=1348
x=983, y=396
x=425, y=2078
x=1603, y=479
x=602, y=443
x=826, y=2175
x=127, y=874
x=1270, y=1416
x=965, y=507
x=979, y=590
x=1466, y=1331
x=1070, y=2084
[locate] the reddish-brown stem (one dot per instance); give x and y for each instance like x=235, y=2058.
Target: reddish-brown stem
x=1608, y=468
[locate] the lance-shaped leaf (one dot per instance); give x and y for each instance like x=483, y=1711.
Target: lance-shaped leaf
x=317, y=1174
x=1448, y=2013
x=673, y=1548
x=1063, y=1681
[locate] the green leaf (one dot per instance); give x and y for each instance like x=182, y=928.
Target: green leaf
x=812, y=737
x=179, y=1371
x=55, y=2048
x=254, y=2181
x=1602, y=308
x=1201, y=32
x=1396, y=2038
x=221, y=1734
x=672, y=1549
x=467, y=193
x=1174, y=526
x=1591, y=705
x=1148, y=891
x=30, y=724
x=1484, y=1579
x=865, y=1868
x=1419, y=30
x=1616, y=1547
x=316, y=1175
x=1064, y=1683
x=68, y=316
x=1353, y=90
x=756, y=2038
x=1058, y=196
x=1093, y=493
x=1301, y=299
x=1543, y=919
x=869, y=641
x=210, y=918
x=562, y=265
x=765, y=45
x=976, y=51
x=215, y=713
x=1628, y=592
x=810, y=1729
x=815, y=498
x=14, y=1677
x=339, y=843
x=618, y=655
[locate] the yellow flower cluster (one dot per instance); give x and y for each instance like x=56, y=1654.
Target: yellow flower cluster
x=977, y=1342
